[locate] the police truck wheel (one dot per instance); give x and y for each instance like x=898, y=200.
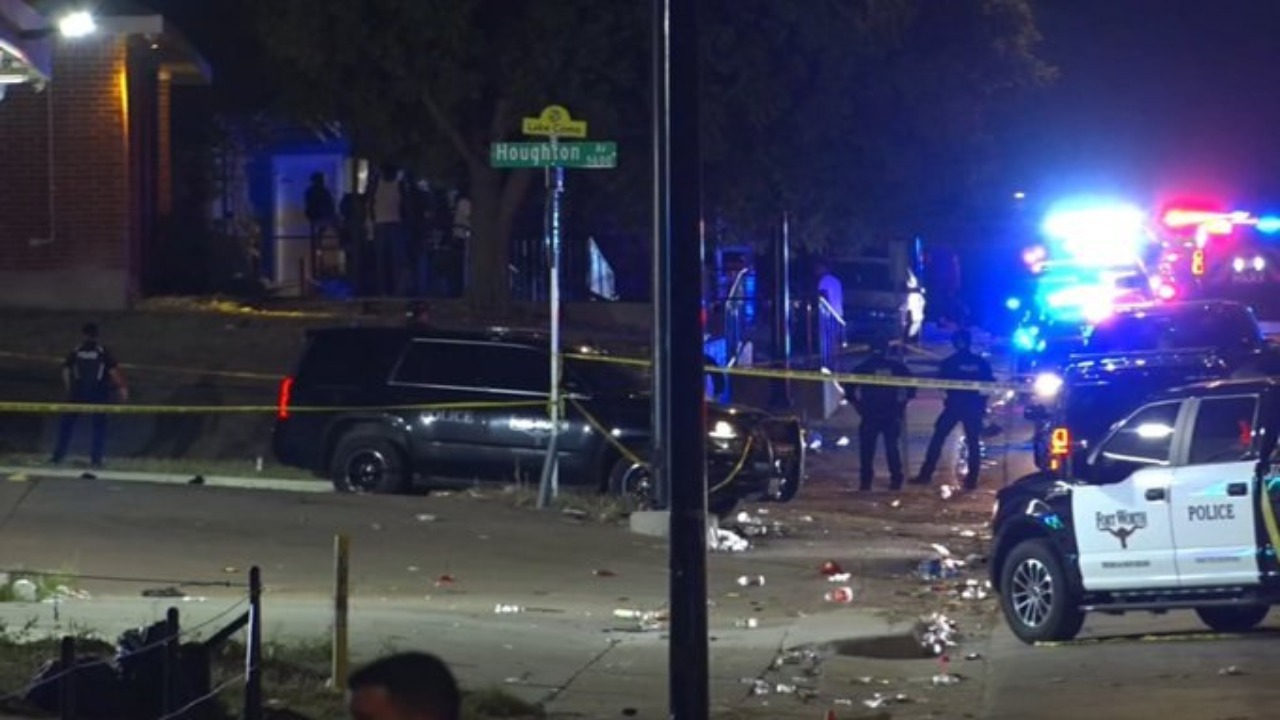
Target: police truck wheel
x=1036, y=597
x=368, y=464
x=1233, y=619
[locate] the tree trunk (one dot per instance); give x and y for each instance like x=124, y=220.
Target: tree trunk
x=494, y=205
x=488, y=287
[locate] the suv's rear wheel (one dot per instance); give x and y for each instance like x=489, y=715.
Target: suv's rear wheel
x=633, y=484
x=369, y=464
x=1233, y=619
x=1037, y=599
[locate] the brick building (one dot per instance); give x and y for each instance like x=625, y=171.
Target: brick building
x=85, y=148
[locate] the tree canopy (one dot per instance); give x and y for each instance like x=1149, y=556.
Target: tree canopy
x=857, y=116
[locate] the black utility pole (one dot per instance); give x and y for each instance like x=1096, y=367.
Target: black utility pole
x=684, y=436
x=781, y=398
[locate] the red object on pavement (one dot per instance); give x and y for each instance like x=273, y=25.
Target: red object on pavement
x=831, y=567
x=604, y=573
x=444, y=580
x=839, y=595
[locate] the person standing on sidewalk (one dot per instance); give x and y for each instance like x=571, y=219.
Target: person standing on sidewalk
x=883, y=411
x=91, y=376
x=967, y=408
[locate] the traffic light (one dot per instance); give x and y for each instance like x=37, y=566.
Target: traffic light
x=1197, y=262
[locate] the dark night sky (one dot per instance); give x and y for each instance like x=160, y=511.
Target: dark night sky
x=1154, y=96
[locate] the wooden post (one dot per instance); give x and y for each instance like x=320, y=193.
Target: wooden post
x=341, y=591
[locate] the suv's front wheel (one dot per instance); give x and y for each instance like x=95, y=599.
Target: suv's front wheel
x=1233, y=619
x=368, y=464
x=1037, y=599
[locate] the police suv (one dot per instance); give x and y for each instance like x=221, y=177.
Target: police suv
x=1174, y=508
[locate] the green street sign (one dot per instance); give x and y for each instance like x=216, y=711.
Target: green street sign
x=588, y=155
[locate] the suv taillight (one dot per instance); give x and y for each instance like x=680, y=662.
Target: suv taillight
x=286, y=393
x=1059, y=447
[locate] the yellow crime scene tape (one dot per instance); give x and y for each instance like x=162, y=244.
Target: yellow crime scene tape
x=125, y=409
x=166, y=369
x=816, y=376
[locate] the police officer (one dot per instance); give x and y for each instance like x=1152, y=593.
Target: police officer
x=90, y=374
x=883, y=411
x=964, y=407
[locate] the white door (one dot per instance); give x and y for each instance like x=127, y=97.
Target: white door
x=1214, y=496
x=1123, y=525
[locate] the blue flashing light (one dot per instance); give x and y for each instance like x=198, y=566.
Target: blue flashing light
x=1269, y=224
x=1024, y=338
x=1013, y=303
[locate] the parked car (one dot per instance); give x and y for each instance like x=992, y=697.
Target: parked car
x=376, y=409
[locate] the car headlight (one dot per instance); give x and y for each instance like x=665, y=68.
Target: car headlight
x=722, y=430
x=1047, y=386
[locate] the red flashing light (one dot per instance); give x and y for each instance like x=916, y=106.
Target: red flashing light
x=286, y=395
x=1060, y=442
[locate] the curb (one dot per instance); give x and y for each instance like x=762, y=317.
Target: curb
x=14, y=473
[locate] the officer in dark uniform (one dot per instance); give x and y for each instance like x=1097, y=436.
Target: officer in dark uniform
x=964, y=407
x=883, y=412
x=90, y=375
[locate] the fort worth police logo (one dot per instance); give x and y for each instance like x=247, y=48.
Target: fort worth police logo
x=1121, y=524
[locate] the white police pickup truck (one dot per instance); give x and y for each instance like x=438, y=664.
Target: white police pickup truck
x=1175, y=508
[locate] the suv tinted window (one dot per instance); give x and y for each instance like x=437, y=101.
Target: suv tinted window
x=344, y=358
x=1224, y=430
x=1146, y=437
x=474, y=365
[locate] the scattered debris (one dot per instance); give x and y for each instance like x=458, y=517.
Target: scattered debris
x=445, y=579
x=720, y=540
x=501, y=609
x=946, y=679
x=601, y=572
x=783, y=689
x=974, y=590
x=1231, y=670
x=805, y=518
x=947, y=491
x=843, y=441
x=839, y=595
x=831, y=567
x=839, y=577
x=425, y=517
x=747, y=623
x=968, y=533
x=943, y=568
x=574, y=513
x=880, y=700
x=973, y=656
x=751, y=581
x=895, y=504
x=413, y=568
x=165, y=592
x=937, y=632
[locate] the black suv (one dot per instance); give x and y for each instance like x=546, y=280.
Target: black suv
x=487, y=394
x=1138, y=351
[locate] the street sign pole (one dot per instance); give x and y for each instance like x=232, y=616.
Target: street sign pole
x=658, y=282
x=685, y=439
x=549, y=483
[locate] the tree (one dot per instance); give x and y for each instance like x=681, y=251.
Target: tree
x=860, y=116
x=434, y=82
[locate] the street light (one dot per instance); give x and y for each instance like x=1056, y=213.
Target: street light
x=77, y=24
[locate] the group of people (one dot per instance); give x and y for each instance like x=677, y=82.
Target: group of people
x=400, y=238
x=882, y=409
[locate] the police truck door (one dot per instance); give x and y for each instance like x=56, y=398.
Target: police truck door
x=1121, y=518
x=1214, y=495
